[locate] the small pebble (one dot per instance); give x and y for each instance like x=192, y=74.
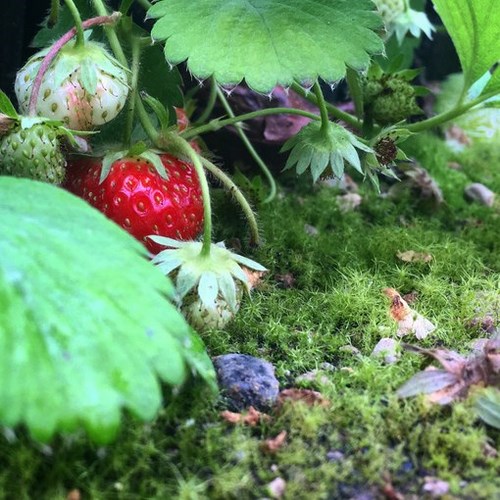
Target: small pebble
x=311, y=230
x=480, y=193
x=247, y=381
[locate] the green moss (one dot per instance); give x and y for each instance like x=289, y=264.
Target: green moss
x=189, y=452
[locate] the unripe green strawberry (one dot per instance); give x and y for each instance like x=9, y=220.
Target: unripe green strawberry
x=32, y=152
x=390, y=99
x=203, y=317
x=83, y=87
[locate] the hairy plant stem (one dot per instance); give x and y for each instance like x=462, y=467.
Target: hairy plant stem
x=448, y=115
x=320, y=98
x=235, y=191
x=111, y=35
x=54, y=50
x=54, y=13
x=211, y=102
x=117, y=49
x=75, y=13
x=129, y=125
x=332, y=110
x=186, y=149
x=217, y=124
x=265, y=170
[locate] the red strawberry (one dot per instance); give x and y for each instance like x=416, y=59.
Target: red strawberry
x=137, y=198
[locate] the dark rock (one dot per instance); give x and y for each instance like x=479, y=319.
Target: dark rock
x=247, y=381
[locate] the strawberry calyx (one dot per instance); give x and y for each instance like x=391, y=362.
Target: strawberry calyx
x=213, y=274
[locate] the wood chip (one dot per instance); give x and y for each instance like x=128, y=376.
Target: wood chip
x=273, y=445
x=251, y=418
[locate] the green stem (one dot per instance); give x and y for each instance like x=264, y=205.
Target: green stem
x=129, y=124
x=117, y=49
x=228, y=183
x=75, y=13
x=211, y=102
x=217, y=124
x=111, y=35
x=146, y=122
x=325, y=120
x=186, y=149
x=250, y=148
x=448, y=115
x=334, y=111
x=54, y=13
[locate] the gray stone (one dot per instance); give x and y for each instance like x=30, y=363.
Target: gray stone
x=247, y=381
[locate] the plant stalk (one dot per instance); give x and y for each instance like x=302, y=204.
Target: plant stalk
x=228, y=183
x=325, y=120
x=211, y=102
x=75, y=13
x=56, y=47
x=186, y=149
x=250, y=148
x=333, y=110
x=129, y=125
x=448, y=115
x=217, y=124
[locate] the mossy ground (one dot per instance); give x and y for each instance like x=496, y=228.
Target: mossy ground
x=189, y=452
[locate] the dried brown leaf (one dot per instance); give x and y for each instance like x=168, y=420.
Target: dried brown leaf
x=254, y=278
x=409, y=321
x=252, y=417
x=273, y=445
x=306, y=396
x=412, y=256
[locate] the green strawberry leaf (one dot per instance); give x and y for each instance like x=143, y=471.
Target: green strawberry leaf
x=488, y=406
x=86, y=329
x=473, y=28
x=268, y=42
x=6, y=106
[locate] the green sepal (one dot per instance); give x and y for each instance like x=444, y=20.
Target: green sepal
x=316, y=149
x=159, y=110
x=154, y=158
x=107, y=163
x=6, y=106
x=88, y=76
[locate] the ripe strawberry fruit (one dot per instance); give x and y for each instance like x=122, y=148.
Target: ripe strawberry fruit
x=136, y=197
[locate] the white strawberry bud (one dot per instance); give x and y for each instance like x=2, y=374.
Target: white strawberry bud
x=83, y=87
x=209, y=287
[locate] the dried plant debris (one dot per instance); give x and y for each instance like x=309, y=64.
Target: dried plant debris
x=273, y=445
x=412, y=256
x=419, y=180
x=458, y=374
x=348, y=202
x=252, y=417
x=307, y=396
x=408, y=320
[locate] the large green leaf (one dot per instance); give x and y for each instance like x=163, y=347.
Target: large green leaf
x=473, y=27
x=268, y=42
x=86, y=329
